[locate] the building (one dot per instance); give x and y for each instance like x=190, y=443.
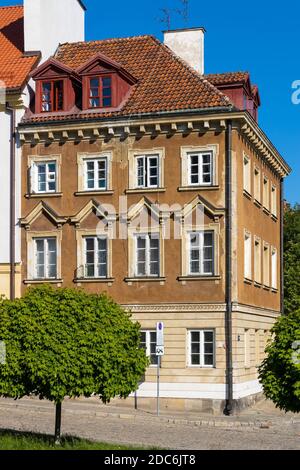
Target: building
x=146, y=179
x=27, y=34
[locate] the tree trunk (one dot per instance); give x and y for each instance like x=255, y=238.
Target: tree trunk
x=57, y=438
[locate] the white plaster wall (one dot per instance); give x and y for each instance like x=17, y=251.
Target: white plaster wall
x=50, y=22
x=4, y=186
x=189, y=45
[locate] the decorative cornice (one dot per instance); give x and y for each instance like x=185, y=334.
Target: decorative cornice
x=252, y=310
x=175, y=308
x=177, y=123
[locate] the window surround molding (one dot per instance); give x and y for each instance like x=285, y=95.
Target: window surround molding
x=185, y=251
x=248, y=236
x=82, y=157
x=35, y=159
x=201, y=330
x=274, y=209
x=266, y=282
x=257, y=242
x=156, y=228
x=247, y=185
x=81, y=234
x=147, y=333
x=132, y=275
x=274, y=282
x=133, y=154
x=30, y=237
x=257, y=190
x=184, y=156
x=266, y=194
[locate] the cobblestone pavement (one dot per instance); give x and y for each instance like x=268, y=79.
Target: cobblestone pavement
x=261, y=427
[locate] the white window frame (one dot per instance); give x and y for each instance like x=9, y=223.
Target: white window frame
x=266, y=193
x=200, y=174
x=247, y=348
x=202, y=332
x=95, y=240
x=147, y=237
x=257, y=184
x=247, y=173
x=201, y=235
x=148, y=345
x=50, y=177
x=257, y=261
x=46, y=258
x=274, y=200
x=266, y=275
x=274, y=265
x=247, y=255
x=146, y=171
x=96, y=162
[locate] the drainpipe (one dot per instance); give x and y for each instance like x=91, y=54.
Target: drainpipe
x=281, y=246
x=12, y=231
x=228, y=316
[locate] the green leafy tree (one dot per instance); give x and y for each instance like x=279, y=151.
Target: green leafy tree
x=292, y=259
x=66, y=343
x=280, y=371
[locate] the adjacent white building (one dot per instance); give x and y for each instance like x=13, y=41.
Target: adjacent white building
x=29, y=34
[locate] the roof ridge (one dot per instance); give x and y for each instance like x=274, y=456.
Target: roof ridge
x=99, y=41
x=193, y=71
x=10, y=6
x=244, y=72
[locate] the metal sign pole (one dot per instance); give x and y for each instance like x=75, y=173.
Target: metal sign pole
x=158, y=377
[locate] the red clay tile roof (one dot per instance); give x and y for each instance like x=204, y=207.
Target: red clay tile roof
x=14, y=66
x=218, y=79
x=165, y=82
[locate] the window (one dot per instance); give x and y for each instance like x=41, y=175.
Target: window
x=202, y=348
x=247, y=174
x=201, y=253
x=148, y=343
x=96, y=174
x=44, y=177
x=274, y=268
x=257, y=348
x=100, y=92
x=257, y=185
x=95, y=257
x=147, y=255
x=257, y=261
x=266, y=196
x=274, y=201
x=147, y=171
x=45, y=258
x=52, y=96
x=247, y=349
x=266, y=262
x=247, y=256
x=200, y=168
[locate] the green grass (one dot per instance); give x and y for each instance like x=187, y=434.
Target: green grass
x=14, y=440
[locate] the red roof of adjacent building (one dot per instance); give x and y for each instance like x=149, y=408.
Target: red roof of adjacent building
x=164, y=81
x=14, y=65
x=227, y=78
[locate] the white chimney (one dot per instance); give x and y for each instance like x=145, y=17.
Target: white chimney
x=189, y=45
x=50, y=22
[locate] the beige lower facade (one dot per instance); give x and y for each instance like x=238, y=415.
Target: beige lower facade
x=5, y=280
x=195, y=388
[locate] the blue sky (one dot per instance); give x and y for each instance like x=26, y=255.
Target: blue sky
x=260, y=37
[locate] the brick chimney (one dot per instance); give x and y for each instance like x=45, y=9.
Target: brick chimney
x=189, y=45
x=50, y=22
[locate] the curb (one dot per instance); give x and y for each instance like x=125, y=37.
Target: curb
x=234, y=424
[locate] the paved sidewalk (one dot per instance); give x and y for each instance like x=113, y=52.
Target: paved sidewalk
x=261, y=427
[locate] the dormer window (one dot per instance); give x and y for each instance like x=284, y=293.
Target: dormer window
x=100, y=95
x=52, y=96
